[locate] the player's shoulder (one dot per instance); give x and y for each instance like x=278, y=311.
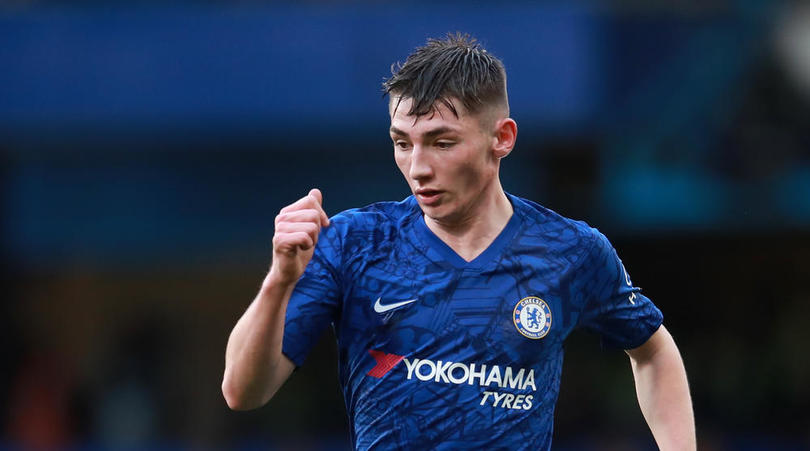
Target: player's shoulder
x=550, y=225
x=378, y=216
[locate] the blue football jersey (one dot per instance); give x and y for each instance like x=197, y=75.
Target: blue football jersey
x=439, y=353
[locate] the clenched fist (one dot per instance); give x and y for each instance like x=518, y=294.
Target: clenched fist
x=297, y=228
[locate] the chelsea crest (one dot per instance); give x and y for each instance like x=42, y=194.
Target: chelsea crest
x=532, y=317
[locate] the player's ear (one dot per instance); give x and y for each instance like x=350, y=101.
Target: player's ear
x=505, y=136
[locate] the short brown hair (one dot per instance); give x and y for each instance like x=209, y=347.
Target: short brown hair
x=455, y=67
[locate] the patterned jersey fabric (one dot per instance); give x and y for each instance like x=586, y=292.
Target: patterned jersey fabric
x=439, y=353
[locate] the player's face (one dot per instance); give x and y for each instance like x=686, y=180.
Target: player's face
x=447, y=160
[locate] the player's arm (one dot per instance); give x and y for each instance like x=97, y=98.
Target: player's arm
x=255, y=367
x=663, y=392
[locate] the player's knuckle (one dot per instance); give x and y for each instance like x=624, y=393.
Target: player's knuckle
x=312, y=202
x=303, y=239
x=312, y=229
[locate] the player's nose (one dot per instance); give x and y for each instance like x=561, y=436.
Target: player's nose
x=421, y=167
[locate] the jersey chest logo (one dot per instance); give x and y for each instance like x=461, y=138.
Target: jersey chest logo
x=532, y=317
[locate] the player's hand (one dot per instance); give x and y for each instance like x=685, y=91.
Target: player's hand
x=297, y=228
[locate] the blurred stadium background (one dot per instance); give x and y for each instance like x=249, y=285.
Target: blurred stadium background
x=147, y=147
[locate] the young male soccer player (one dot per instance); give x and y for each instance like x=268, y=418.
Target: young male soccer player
x=450, y=307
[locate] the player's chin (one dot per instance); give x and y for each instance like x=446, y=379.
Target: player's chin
x=427, y=207
x=438, y=213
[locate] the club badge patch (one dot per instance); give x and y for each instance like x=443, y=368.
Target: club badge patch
x=532, y=317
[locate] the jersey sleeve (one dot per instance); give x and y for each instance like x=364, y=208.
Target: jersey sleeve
x=316, y=299
x=613, y=307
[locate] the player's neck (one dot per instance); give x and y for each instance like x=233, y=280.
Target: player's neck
x=471, y=234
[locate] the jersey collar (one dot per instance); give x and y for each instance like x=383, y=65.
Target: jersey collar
x=449, y=256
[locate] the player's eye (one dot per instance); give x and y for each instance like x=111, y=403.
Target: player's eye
x=445, y=144
x=401, y=145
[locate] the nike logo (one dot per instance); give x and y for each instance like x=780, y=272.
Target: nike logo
x=379, y=308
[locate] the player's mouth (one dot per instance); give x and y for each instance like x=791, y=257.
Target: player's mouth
x=428, y=197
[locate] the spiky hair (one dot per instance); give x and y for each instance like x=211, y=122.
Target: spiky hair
x=456, y=67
